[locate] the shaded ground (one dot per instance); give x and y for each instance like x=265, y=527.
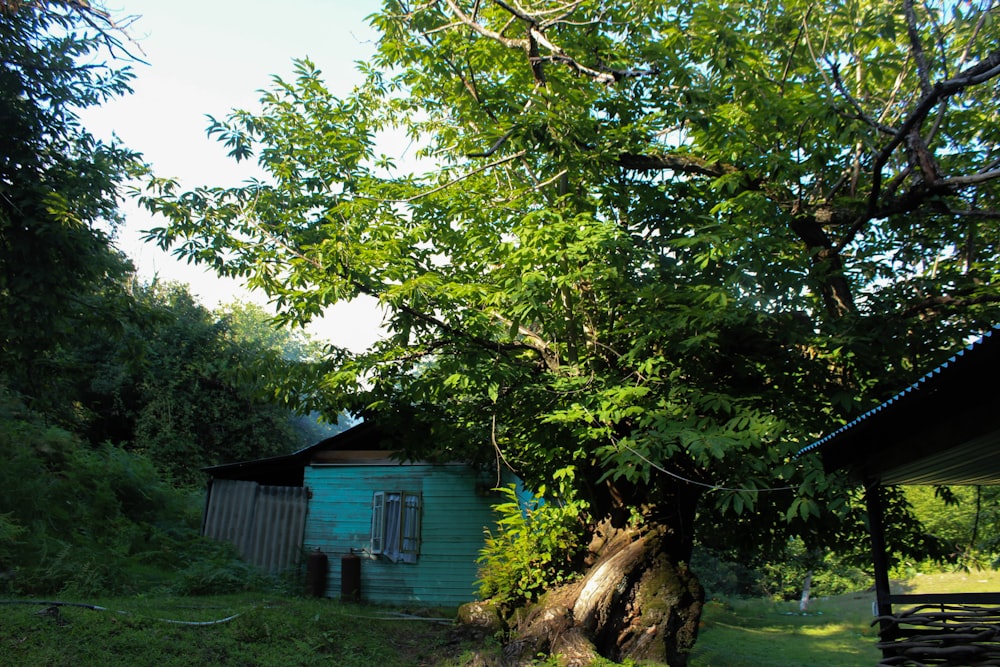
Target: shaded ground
x=254, y=631
x=230, y=630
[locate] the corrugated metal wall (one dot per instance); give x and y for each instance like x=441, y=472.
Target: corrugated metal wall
x=266, y=523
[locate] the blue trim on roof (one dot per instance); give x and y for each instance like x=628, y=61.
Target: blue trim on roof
x=919, y=385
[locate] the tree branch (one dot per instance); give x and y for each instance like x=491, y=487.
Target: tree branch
x=687, y=164
x=981, y=72
x=469, y=22
x=96, y=18
x=496, y=145
x=971, y=179
x=838, y=83
x=917, y=47
x=443, y=186
x=950, y=302
x=537, y=38
x=533, y=341
x=915, y=197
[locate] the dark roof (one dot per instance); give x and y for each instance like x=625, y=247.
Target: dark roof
x=942, y=429
x=288, y=470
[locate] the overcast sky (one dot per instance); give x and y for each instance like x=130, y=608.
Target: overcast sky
x=207, y=57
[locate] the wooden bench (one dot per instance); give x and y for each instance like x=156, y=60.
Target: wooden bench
x=941, y=629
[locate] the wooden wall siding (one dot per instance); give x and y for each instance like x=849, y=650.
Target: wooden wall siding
x=453, y=518
x=266, y=523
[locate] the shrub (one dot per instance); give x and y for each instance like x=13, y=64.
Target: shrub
x=534, y=547
x=832, y=574
x=83, y=519
x=216, y=569
x=723, y=578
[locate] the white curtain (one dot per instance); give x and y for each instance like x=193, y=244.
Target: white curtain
x=396, y=526
x=393, y=506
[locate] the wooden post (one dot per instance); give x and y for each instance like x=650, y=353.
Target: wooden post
x=880, y=557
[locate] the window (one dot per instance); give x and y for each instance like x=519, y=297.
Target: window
x=396, y=525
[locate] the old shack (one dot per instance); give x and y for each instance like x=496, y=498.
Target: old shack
x=408, y=531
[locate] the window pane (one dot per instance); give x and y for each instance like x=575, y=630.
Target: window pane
x=396, y=525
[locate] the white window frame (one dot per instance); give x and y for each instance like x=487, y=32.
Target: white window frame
x=395, y=531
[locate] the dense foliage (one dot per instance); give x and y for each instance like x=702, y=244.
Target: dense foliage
x=80, y=518
x=59, y=186
x=113, y=394
x=105, y=495
x=535, y=545
x=965, y=520
x=186, y=386
x=662, y=247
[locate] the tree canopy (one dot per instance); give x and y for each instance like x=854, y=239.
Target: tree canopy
x=59, y=186
x=93, y=364
x=84, y=345
x=654, y=251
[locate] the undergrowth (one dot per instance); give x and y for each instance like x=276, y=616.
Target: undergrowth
x=167, y=631
x=533, y=548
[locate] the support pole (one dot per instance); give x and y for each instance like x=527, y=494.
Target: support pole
x=880, y=557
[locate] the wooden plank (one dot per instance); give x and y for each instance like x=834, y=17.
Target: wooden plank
x=453, y=519
x=945, y=598
x=354, y=456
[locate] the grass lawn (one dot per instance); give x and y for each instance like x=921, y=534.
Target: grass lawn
x=751, y=633
x=251, y=630
x=836, y=631
x=141, y=632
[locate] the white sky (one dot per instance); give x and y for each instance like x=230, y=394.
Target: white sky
x=209, y=57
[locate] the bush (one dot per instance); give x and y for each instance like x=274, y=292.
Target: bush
x=216, y=569
x=535, y=547
x=779, y=580
x=723, y=578
x=831, y=573
x=83, y=519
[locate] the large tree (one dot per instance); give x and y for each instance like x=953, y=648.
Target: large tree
x=656, y=249
x=59, y=186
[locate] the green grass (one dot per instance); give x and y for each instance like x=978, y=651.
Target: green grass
x=836, y=630
x=267, y=631
x=976, y=581
x=745, y=633
x=283, y=631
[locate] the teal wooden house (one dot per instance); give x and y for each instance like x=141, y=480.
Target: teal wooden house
x=415, y=529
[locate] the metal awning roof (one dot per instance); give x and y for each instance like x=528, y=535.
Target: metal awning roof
x=942, y=429
x=288, y=470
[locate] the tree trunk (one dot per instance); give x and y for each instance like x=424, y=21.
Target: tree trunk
x=637, y=601
x=827, y=269
x=806, y=588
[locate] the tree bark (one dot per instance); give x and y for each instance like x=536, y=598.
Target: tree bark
x=806, y=589
x=827, y=269
x=638, y=600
